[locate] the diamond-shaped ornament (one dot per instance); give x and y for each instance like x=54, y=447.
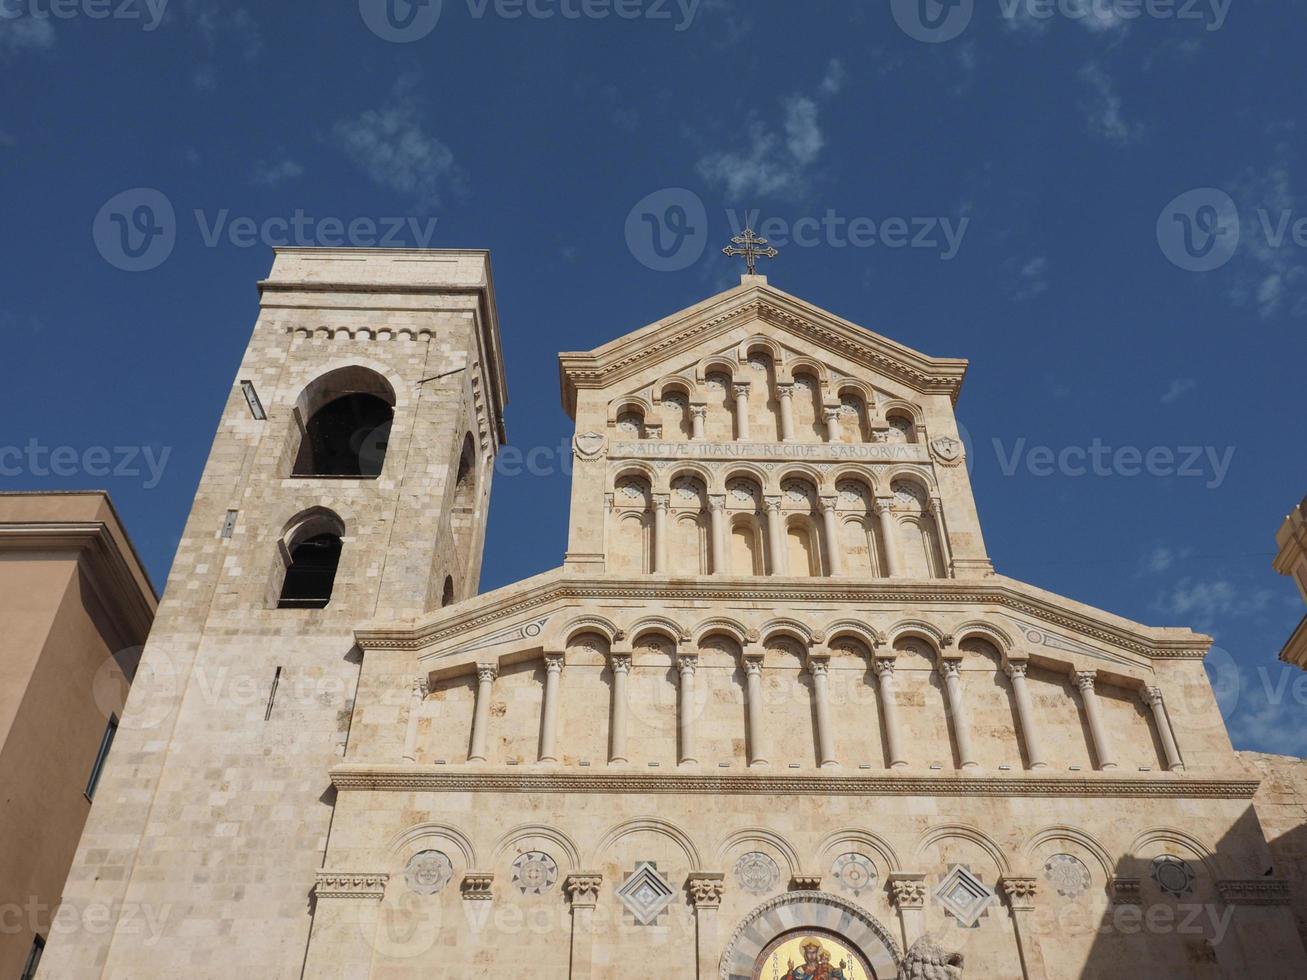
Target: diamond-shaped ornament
x=964, y=896
x=645, y=893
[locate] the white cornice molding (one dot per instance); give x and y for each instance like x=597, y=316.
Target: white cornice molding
x=439, y=779
x=688, y=329
x=109, y=569
x=530, y=597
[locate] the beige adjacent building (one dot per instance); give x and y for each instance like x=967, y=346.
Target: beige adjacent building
x=1292, y=561
x=775, y=715
x=75, y=608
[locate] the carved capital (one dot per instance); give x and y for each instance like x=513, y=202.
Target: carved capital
x=706, y=889
x=582, y=889
x=828, y=503
x=805, y=883
x=620, y=662
x=477, y=886
x=1015, y=669
x=741, y=388
x=554, y=663
x=882, y=505
x=486, y=673
x=717, y=504
x=1020, y=891
x=1151, y=696
x=753, y=665
x=819, y=664
x=699, y=411
x=772, y=505
x=884, y=667
x=1255, y=891
x=784, y=389
x=907, y=890
x=950, y=668
x=421, y=687
x=662, y=501
x=1084, y=680
x=1126, y=891
x=686, y=663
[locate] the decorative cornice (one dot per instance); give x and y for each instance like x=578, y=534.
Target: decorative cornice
x=351, y=884
x=557, y=588
x=440, y=779
x=1255, y=891
x=1126, y=890
x=478, y=886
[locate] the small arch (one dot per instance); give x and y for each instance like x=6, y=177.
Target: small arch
x=851, y=473
x=865, y=838
x=572, y=628
x=629, y=403
x=760, y=835
x=418, y=835
x=463, y=505
x=676, y=383
x=765, y=344
x=792, y=628
x=922, y=631
x=718, y=624
x=975, y=629
x=1062, y=832
x=447, y=597
x=800, y=364
x=753, y=474
x=863, y=632
x=648, y=825
x=538, y=830
x=717, y=364
x=639, y=469
x=667, y=628
x=1177, y=838
x=961, y=831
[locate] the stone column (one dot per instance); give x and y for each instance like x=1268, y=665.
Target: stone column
x=661, y=502
x=687, y=709
x=706, y=893
x=831, y=527
x=1153, y=698
x=785, y=396
x=421, y=688
x=742, y=411
x=889, y=535
x=753, y=673
x=1020, y=891
x=951, y=670
x=549, y=712
x=582, y=892
x=717, y=515
x=343, y=933
x=908, y=893
x=486, y=674
x=621, y=665
x=698, y=417
x=936, y=509
x=832, y=416
x=775, y=536
x=1084, y=680
x=1016, y=670
x=819, y=668
x=889, y=712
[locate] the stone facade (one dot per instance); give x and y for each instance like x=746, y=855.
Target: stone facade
x=775, y=705
x=76, y=605
x=1292, y=561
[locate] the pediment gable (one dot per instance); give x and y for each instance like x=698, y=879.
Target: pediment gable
x=682, y=335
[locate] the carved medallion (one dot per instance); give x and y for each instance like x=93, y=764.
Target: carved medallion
x=646, y=893
x=1068, y=875
x=1173, y=875
x=855, y=872
x=756, y=873
x=427, y=872
x=534, y=873
x=946, y=451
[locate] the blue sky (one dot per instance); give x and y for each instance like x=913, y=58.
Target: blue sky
x=1122, y=262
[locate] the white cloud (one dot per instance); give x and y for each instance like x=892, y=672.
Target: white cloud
x=1178, y=389
x=1032, y=279
x=1102, y=107
x=1200, y=602
x=776, y=162
x=25, y=34
x=225, y=24
x=1270, y=276
x=1267, y=716
x=1036, y=16
x=266, y=173
x=392, y=146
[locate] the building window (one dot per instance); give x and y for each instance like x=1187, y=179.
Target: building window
x=312, y=573
x=346, y=416
x=106, y=743
x=33, y=958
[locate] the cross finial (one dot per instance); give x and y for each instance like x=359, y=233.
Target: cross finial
x=751, y=247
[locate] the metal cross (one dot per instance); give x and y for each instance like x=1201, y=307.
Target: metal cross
x=748, y=246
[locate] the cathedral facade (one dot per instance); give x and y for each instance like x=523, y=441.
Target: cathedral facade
x=775, y=715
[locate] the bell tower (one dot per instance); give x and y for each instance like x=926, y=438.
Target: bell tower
x=348, y=481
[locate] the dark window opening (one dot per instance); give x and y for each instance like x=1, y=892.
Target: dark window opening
x=33, y=959
x=346, y=437
x=311, y=574
x=447, y=597
x=106, y=743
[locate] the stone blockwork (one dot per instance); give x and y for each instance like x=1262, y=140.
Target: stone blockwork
x=214, y=812
x=1291, y=560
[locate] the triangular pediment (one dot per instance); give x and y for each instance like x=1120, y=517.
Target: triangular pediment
x=682, y=334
